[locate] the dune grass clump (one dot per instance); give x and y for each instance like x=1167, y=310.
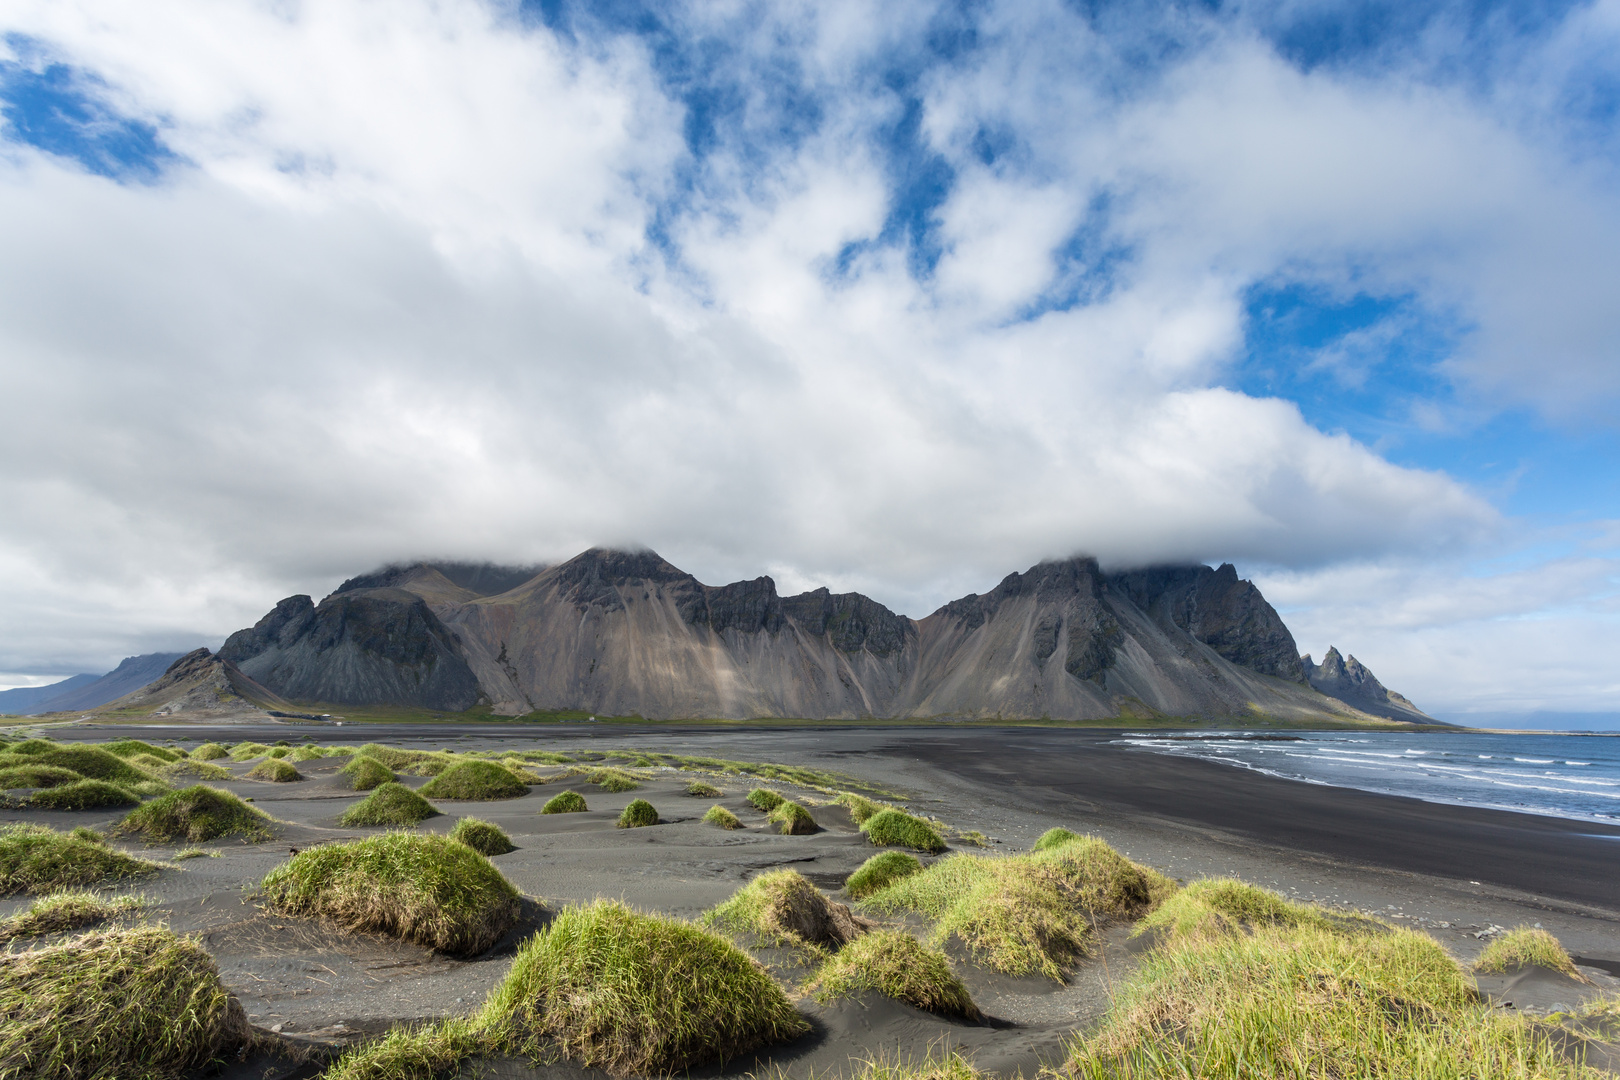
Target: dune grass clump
x=725, y=819
x=638, y=814
x=30, y=747
x=636, y=994
x=138, y=1004
x=1217, y=906
x=782, y=907
x=896, y=828
x=1053, y=838
x=483, y=837
x=275, y=771
x=306, y=753
x=765, y=800
x=209, y=751
x=698, y=789
x=1026, y=914
x=83, y=795
x=35, y=776
x=389, y=804
x=860, y=808
x=1304, y=1000
x=94, y=763
x=414, y=762
x=615, y=781
x=196, y=814
x=565, y=802
x=410, y=1052
x=247, y=751
x=880, y=871
x=896, y=965
x=427, y=889
x=478, y=781
x=366, y=772
x=793, y=820
x=187, y=769
x=1524, y=946
x=72, y=909
x=36, y=859
x=129, y=748
x=278, y=752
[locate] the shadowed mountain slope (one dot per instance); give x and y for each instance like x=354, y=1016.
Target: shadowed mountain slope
x=626, y=633
x=1350, y=682
x=89, y=691
x=200, y=683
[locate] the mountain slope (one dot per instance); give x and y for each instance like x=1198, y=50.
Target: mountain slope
x=200, y=683
x=25, y=700
x=1349, y=681
x=627, y=633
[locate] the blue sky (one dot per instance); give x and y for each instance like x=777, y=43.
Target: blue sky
x=896, y=301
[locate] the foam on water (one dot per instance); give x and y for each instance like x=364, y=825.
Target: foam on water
x=1574, y=776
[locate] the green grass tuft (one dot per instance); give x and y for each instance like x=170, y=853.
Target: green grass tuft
x=419, y=1052
x=784, y=908
x=615, y=781
x=636, y=994
x=880, y=871
x=140, y=1004
x=896, y=965
x=210, y=751
x=1215, y=906
x=482, y=836
x=94, y=763
x=860, y=808
x=427, y=889
x=128, y=748
x=565, y=802
x=83, y=795
x=698, y=789
x=367, y=772
x=278, y=752
x=895, y=828
x=764, y=799
x=638, y=814
x=793, y=819
x=275, y=771
x=1053, y=838
x=196, y=770
x=306, y=753
x=247, y=751
x=30, y=747
x=389, y=804
x=73, y=909
x=196, y=813
x=1524, y=946
x=36, y=859
x=35, y=776
x=475, y=781
x=415, y=762
x=719, y=815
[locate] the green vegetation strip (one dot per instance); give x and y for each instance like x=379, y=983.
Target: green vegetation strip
x=139, y=1004
x=389, y=804
x=196, y=813
x=36, y=859
x=426, y=889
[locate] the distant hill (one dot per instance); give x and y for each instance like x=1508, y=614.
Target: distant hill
x=87, y=691
x=626, y=633
x=201, y=683
x=1351, y=682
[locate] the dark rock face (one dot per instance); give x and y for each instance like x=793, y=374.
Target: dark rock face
x=1219, y=609
x=1351, y=682
x=850, y=621
x=360, y=647
x=594, y=578
x=1070, y=596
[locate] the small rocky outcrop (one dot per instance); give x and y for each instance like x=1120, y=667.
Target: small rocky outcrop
x=1350, y=682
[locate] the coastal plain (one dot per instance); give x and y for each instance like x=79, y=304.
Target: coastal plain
x=1454, y=873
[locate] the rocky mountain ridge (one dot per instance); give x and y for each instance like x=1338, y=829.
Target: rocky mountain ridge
x=1349, y=681
x=627, y=633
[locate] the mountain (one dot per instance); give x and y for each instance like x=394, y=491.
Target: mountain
x=626, y=633
x=201, y=683
x=88, y=691
x=24, y=700
x=1350, y=682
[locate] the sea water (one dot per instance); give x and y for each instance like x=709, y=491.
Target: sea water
x=1573, y=776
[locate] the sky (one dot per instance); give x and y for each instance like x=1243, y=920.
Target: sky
x=894, y=298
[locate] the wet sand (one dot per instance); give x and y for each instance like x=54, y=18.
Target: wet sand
x=1452, y=871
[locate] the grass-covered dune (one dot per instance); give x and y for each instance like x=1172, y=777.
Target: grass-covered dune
x=276, y=771
x=389, y=804
x=783, y=907
x=475, y=781
x=83, y=795
x=484, y=837
x=638, y=814
x=897, y=965
x=896, y=828
x=139, y=1004
x=427, y=889
x=637, y=995
x=880, y=871
x=196, y=813
x=70, y=909
x=37, y=859
x=366, y=772
x=565, y=802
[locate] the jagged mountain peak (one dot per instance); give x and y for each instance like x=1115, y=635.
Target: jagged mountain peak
x=1349, y=680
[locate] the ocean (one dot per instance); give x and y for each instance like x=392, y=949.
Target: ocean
x=1570, y=776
